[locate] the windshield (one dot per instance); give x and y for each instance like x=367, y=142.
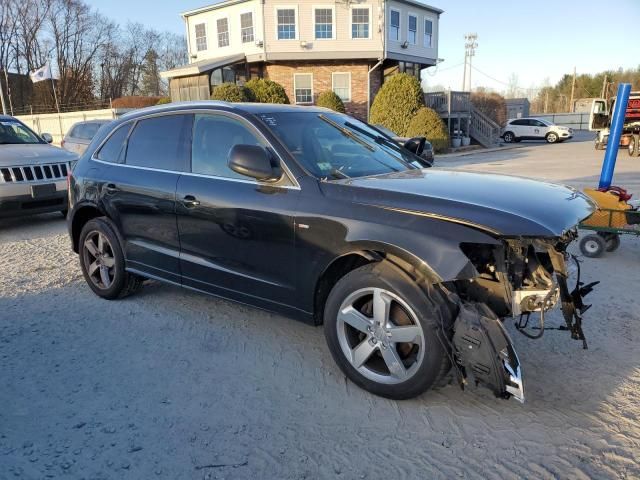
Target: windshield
x=335, y=146
x=12, y=131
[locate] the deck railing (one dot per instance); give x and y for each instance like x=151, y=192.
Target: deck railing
x=448, y=102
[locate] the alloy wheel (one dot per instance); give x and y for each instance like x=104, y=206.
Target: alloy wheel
x=380, y=335
x=99, y=259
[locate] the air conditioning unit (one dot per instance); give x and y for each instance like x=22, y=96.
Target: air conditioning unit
x=259, y=43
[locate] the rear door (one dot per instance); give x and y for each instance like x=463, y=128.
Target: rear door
x=519, y=128
x=236, y=234
x=138, y=190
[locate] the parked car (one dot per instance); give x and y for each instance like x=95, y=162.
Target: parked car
x=314, y=214
x=80, y=135
x=534, y=129
x=33, y=174
x=427, y=151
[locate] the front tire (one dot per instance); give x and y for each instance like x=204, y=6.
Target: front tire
x=551, y=137
x=382, y=331
x=634, y=146
x=102, y=261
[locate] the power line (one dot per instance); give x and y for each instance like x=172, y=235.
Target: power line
x=506, y=83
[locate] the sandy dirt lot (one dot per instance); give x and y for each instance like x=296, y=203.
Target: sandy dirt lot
x=173, y=384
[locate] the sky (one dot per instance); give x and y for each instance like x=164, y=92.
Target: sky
x=537, y=40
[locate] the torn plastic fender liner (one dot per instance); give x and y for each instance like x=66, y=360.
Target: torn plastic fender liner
x=483, y=350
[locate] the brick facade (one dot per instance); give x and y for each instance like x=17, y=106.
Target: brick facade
x=283, y=72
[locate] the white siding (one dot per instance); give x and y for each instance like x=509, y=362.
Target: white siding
x=232, y=13
x=305, y=29
x=418, y=50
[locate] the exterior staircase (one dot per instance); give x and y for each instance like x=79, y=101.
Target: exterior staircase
x=457, y=111
x=483, y=130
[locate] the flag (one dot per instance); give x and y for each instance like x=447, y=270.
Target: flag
x=42, y=73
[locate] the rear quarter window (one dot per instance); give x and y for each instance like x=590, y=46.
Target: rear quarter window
x=112, y=150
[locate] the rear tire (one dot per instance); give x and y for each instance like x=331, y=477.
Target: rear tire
x=509, y=137
x=592, y=246
x=102, y=261
x=611, y=240
x=378, y=355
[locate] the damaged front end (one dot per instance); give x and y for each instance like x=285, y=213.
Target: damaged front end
x=520, y=278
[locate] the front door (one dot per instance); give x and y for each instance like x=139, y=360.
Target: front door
x=236, y=235
x=139, y=190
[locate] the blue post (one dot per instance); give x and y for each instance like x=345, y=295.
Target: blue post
x=615, y=132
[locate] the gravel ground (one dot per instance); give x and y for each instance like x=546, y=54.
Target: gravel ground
x=174, y=384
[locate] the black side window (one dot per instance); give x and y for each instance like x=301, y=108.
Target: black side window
x=161, y=142
x=90, y=129
x=519, y=122
x=112, y=150
x=213, y=137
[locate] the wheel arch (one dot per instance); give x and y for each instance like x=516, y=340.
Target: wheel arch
x=80, y=216
x=370, y=252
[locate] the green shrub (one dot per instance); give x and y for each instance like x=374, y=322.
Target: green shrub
x=330, y=100
x=163, y=100
x=396, y=103
x=230, y=92
x=267, y=91
x=427, y=123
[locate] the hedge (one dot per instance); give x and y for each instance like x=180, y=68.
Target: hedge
x=134, y=102
x=330, y=100
x=427, y=123
x=396, y=103
x=266, y=91
x=230, y=92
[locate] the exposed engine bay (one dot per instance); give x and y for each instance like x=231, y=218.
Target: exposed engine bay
x=523, y=279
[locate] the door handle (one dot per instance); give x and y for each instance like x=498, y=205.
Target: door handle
x=190, y=201
x=111, y=188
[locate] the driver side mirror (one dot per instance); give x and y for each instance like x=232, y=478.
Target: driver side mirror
x=47, y=137
x=415, y=145
x=253, y=161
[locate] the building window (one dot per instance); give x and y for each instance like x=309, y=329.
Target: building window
x=223, y=32
x=360, y=23
x=201, y=37
x=412, y=32
x=303, y=87
x=246, y=27
x=341, y=85
x=428, y=33
x=324, y=23
x=394, y=29
x=286, y=23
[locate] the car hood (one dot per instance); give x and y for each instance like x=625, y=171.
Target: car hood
x=505, y=205
x=33, y=154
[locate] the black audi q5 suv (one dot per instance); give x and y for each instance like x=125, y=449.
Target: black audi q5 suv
x=322, y=217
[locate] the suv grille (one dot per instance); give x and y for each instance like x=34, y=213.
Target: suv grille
x=33, y=173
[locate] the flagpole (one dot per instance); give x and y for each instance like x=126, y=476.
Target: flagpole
x=55, y=96
x=4, y=106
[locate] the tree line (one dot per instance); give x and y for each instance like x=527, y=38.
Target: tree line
x=557, y=98
x=95, y=58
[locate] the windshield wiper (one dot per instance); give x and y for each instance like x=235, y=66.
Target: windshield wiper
x=347, y=133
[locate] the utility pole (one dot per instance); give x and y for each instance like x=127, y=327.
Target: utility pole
x=573, y=88
x=470, y=46
x=546, y=101
x=603, y=93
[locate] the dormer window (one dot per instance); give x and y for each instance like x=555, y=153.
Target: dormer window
x=323, y=23
x=394, y=25
x=246, y=27
x=412, y=29
x=223, y=32
x=201, y=37
x=360, y=22
x=286, y=18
